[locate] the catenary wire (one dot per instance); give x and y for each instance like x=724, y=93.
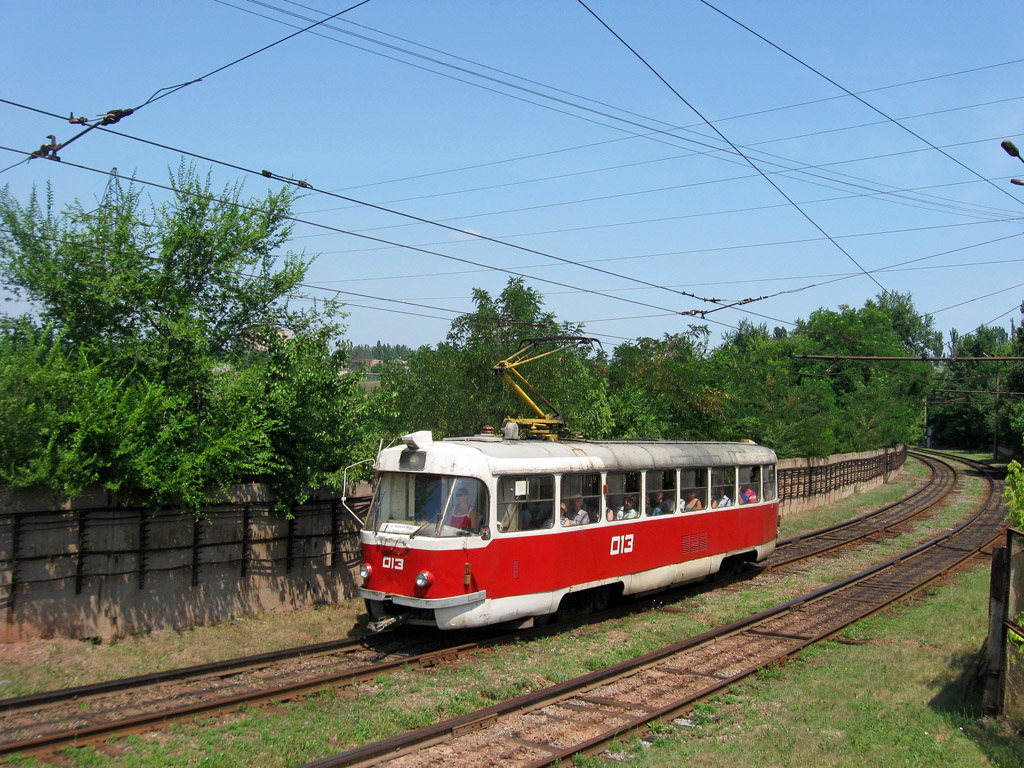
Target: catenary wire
x=115, y=115
x=211, y=160
x=717, y=150
x=579, y=96
x=475, y=235
x=859, y=99
x=736, y=149
x=293, y=296
x=481, y=323
x=338, y=230
x=168, y=90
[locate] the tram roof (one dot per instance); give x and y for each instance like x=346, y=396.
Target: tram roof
x=487, y=454
x=620, y=453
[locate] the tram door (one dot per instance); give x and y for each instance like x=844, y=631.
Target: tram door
x=582, y=504
x=527, y=522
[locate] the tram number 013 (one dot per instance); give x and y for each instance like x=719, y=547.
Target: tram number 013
x=396, y=563
x=622, y=545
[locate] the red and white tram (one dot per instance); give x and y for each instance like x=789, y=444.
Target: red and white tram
x=474, y=531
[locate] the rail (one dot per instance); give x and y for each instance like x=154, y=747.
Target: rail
x=223, y=686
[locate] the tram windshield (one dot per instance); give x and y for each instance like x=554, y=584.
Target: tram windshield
x=421, y=504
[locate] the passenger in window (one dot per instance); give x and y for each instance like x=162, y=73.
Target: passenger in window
x=748, y=496
x=628, y=510
x=577, y=514
x=692, y=502
x=463, y=515
x=538, y=517
x=722, y=499
x=658, y=504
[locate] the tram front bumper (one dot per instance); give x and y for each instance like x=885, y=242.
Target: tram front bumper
x=424, y=603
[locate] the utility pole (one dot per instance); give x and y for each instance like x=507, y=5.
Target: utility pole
x=995, y=422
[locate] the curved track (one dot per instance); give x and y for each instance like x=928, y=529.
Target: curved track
x=584, y=715
x=45, y=722
x=888, y=519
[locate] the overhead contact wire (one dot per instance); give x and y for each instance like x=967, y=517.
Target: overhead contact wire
x=867, y=104
x=338, y=230
x=734, y=147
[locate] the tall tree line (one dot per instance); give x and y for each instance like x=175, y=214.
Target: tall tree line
x=163, y=359
x=753, y=385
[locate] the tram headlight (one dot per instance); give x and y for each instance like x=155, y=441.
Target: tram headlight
x=424, y=579
x=364, y=571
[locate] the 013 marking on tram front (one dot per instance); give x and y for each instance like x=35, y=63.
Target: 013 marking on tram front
x=622, y=545
x=395, y=563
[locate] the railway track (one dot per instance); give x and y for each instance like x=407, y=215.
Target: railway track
x=586, y=714
x=887, y=520
x=43, y=723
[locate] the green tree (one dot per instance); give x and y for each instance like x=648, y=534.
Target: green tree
x=965, y=412
x=452, y=389
x=916, y=333
x=171, y=363
x=1014, y=495
x=774, y=399
x=880, y=403
x=663, y=388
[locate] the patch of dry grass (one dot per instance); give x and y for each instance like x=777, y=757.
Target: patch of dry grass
x=38, y=665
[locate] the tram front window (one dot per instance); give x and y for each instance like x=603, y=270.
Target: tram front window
x=428, y=505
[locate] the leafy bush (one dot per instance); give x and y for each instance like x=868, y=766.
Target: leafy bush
x=170, y=364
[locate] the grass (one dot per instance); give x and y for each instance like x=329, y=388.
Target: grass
x=868, y=704
x=41, y=665
x=895, y=699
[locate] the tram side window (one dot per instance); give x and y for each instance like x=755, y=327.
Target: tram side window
x=723, y=486
x=693, y=485
x=750, y=485
x=525, y=503
x=624, y=496
x=661, y=492
x=580, y=499
x=769, y=488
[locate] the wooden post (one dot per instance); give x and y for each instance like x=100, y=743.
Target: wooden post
x=992, y=699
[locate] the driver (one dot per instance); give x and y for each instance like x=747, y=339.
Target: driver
x=463, y=515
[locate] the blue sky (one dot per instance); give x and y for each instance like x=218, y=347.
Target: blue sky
x=531, y=124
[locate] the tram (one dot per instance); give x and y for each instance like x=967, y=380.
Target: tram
x=493, y=529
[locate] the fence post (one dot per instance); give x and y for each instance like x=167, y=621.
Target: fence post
x=83, y=521
x=334, y=534
x=197, y=533
x=143, y=543
x=15, y=548
x=246, y=541
x=290, y=553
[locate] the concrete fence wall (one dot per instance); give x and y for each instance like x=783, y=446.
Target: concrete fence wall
x=808, y=483
x=95, y=568
x=91, y=568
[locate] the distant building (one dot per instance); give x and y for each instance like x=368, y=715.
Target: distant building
x=364, y=362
